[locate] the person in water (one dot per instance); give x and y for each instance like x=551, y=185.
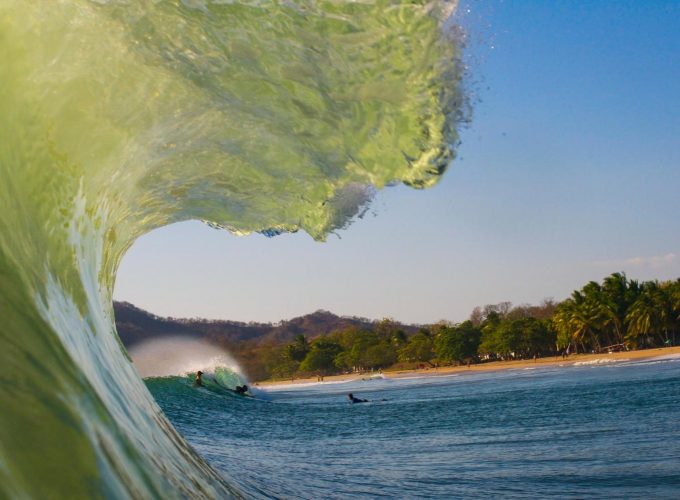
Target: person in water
x=241, y=389
x=352, y=399
x=198, y=382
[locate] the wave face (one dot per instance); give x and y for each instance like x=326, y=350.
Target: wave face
x=120, y=117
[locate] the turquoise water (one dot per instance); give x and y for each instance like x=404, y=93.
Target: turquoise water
x=593, y=431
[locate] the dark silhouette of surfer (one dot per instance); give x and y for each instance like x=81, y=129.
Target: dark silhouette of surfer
x=352, y=399
x=241, y=389
x=198, y=382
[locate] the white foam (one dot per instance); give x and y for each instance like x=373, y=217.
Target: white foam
x=600, y=361
x=303, y=385
x=179, y=356
x=666, y=357
x=429, y=376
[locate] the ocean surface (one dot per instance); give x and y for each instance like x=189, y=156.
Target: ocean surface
x=599, y=430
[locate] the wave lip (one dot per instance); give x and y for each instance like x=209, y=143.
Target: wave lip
x=121, y=117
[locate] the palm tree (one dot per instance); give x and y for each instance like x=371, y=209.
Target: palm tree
x=617, y=295
x=560, y=322
x=674, y=294
x=668, y=301
x=579, y=318
x=651, y=314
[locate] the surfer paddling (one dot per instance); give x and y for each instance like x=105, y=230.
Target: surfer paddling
x=352, y=399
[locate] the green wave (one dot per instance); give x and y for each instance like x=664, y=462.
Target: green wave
x=120, y=117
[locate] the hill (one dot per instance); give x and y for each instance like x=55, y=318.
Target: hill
x=136, y=325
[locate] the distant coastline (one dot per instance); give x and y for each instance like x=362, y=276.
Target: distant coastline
x=557, y=361
x=614, y=318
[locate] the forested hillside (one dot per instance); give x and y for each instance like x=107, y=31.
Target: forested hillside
x=617, y=314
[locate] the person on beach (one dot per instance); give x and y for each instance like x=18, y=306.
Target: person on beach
x=198, y=382
x=352, y=399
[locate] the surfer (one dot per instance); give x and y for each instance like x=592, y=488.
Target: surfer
x=198, y=382
x=352, y=399
x=241, y=389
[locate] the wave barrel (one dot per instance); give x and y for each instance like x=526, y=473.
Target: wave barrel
x=120, y=117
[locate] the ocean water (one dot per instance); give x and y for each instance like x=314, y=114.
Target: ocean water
x=118, y=117
x=608, y=430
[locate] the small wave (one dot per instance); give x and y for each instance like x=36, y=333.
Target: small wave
x=304, y=385
x=666, y=357
x=429, y=376
x=600, y=361
x=301, y=385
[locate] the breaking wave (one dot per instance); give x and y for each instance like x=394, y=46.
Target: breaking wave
x=121, y=117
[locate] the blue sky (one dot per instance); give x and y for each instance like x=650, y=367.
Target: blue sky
x=569, y=171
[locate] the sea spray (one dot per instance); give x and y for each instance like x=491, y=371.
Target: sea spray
x=174, y=356
x=120, y=117
x=179, y=355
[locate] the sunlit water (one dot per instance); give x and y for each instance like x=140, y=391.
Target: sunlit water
x=119, y=117
x=607, y=431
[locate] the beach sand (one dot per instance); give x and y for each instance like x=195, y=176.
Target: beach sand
x=497, y=365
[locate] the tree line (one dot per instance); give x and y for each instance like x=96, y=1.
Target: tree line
x=617, y=314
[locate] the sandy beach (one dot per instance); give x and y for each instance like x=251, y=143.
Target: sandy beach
x=497, y=365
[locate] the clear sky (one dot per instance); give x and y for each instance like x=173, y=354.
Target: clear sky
x=569, y=171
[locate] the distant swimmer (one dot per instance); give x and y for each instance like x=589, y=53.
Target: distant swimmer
x=198, y=382
x=241, y=389
x=352, y=399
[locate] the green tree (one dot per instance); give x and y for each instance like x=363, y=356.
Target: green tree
x=674, y=297
x=379, y=355
x=344, y=360
x=386, y=328
x=536, y=337
x=457, y=343
x=489, y=341
x=282, y=366
x=653, y=316
x=419, y=348
x=579, y=318
x=523, y=336
x=399, y=339
x=509, y=339
x=321, y=357
x=618, y=294
x=298, y=349
x=362, y=341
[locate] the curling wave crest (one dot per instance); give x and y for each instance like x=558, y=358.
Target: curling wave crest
x=120, y=117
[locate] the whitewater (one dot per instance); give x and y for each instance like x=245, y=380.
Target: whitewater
x=119, y=117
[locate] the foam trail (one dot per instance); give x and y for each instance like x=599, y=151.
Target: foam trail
x=120, y=117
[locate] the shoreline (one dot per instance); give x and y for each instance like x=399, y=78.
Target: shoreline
x=573, y=359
